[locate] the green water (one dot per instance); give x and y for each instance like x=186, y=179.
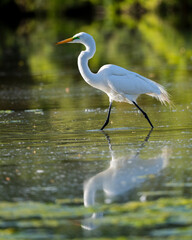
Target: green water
x=53, y=157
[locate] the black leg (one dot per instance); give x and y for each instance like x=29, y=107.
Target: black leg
x=145, y=114
x=108, y=116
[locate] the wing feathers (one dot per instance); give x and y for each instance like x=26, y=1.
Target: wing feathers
x=127, y=83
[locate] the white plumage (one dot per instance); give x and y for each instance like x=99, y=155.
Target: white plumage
x=127, y=85
x=118, y=83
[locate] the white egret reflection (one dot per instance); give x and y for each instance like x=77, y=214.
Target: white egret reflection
x=123, y=175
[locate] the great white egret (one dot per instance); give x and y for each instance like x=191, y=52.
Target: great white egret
x=118, y=83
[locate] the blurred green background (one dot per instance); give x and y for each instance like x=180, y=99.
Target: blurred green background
x=133, y=33
x=153, y=38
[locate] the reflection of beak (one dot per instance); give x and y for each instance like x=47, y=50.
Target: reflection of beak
x=65, y=41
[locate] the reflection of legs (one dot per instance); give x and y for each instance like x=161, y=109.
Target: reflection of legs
x=143, y=143
x=108, y=116
x=145, y=114
x=108, y=140
x=148, y=135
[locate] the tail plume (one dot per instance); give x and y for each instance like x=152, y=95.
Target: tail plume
x=163, y=96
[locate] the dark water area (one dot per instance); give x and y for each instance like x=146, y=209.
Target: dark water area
x=63, y=178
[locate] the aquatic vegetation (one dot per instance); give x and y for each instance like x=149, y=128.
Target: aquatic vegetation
x=161, y=218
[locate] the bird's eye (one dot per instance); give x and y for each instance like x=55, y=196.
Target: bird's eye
x=76, y=38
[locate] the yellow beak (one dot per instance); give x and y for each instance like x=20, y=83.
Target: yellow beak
x=65, y=41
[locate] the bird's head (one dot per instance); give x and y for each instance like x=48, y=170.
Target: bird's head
x=81, y=37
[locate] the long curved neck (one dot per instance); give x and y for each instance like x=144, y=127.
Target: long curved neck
x=83, y=58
